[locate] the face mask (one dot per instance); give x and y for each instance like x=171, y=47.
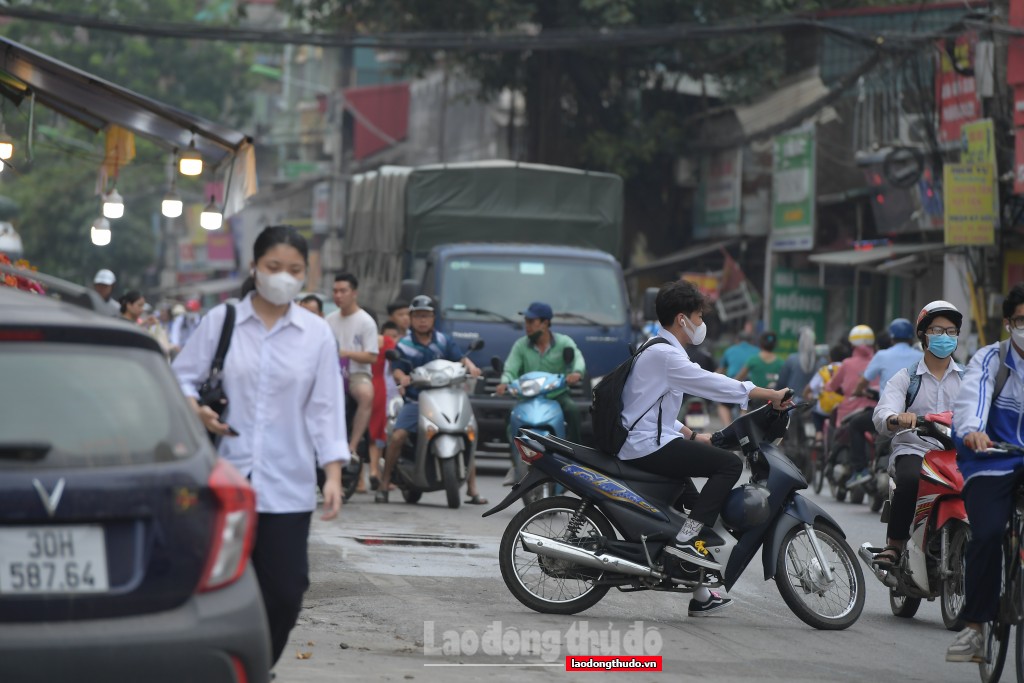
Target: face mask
x=277, y=288
x=535, y=337
x=941, y=346
x=1017, y=335
x=698, y=333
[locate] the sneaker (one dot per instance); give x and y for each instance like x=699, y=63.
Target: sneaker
x=716, y=603
x=380, y=496
x=969, y=646
x=695, y=551
x=858, y=478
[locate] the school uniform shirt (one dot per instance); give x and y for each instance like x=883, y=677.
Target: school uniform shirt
x=887, y=362
x=974, y=411
x=663, y=374
x=285, y=400
x=935, y=395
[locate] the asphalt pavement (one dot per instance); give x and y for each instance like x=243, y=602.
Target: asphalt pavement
x=413, y=592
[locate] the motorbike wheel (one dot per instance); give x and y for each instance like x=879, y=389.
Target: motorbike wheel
x=545, y=584
x=877, y=501
x=798, y=575
x=451, y=482
x=818, y=471
x=857, y=495
x=902, y=606
x=411, y=496
x=997, y=643
x=952, y=598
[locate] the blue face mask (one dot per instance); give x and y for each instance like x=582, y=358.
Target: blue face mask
x=941, y=346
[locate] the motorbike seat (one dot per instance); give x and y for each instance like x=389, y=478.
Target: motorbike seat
x=599, y=460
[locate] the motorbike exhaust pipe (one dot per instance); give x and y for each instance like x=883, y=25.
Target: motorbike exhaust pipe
x=867, y=554
x=549, y=547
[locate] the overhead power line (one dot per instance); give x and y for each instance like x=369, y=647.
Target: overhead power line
x=479, y=41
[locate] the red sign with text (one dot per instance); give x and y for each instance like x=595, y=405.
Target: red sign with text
x=956, y=92
x=1018, y=162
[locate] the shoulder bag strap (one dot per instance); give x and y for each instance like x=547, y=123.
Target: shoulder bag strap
x=225, y=341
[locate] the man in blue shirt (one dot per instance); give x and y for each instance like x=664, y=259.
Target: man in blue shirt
x=422, y=345
x=883, y=366
x=988, y=409
x=735, y=359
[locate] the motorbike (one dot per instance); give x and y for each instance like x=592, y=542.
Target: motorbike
x=932, y=562
x=694, y=413
x=442, y=451
x=800, y=444
x=562, y=555
x=535, y=411
x=838, y=468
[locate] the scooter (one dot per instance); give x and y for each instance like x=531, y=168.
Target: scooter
x=535, y=411
x=562, y=555
x=838, y=469
x=932, y=563
x=442, y=451
x=694, y=413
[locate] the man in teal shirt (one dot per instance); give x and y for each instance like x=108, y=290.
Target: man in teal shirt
x=541, y=350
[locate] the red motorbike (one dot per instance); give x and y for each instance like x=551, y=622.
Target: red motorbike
x=932, y=562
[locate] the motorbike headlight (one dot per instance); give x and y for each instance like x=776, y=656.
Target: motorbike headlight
x=594, y=381
x=531, y=387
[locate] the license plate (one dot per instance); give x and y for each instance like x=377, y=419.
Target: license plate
x=810, y=431
x=697, y=421
x=52, y=560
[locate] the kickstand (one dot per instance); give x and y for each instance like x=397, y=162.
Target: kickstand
x=647, y=554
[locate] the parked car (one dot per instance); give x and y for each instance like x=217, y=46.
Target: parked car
x=124, y=539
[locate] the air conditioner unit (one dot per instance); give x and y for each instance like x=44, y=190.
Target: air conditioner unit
x=914, y=129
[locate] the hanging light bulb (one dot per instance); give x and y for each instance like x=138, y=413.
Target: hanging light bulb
x=172, y=206
x=211, y=218
x=113, y=204
x=6, y=144
x=100, y=232
x=191, y=161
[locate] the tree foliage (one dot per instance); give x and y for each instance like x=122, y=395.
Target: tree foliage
x=56, y=188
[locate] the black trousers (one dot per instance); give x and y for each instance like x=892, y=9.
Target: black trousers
x=858, y=442
x=281, y=561
x=904, y=497
x=989, y=501
x=681, y=458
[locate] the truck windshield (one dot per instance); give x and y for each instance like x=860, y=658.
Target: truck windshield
x=478, y=287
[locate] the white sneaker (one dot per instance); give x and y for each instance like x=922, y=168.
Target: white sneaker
x=969, y=646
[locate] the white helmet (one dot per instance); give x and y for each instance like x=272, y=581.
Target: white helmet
x=932, y=311
x=862, y=335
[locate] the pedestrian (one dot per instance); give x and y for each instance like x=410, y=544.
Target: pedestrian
x=356, y=333
x=733, y=360
x=132, y=305
x=800, y=367
x=184, y=322
x=286, y=411
x=384, y=389
x=313, y=304
x=763, y=367
x=103, y=283
x=398, y=313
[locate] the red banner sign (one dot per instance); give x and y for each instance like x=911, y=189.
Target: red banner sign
x=956, y=93
x=1018, y=162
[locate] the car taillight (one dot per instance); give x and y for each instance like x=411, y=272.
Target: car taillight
x=528, y=454
x=240, y=675
x=234, y=528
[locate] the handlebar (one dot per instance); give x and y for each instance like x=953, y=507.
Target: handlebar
x=1003, y=447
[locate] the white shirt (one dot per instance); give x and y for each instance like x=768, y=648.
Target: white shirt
x=285, y=400
x=663, y=372
x=934, y=396
x=356, y=332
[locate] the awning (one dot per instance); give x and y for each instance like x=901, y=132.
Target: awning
x=96, y=103
x=680, y=257
x=856, y=258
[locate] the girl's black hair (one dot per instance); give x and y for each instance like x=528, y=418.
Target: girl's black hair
x=129, y=297
x=272, y=236
x=768, y=341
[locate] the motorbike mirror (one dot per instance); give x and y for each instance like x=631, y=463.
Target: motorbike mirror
x=568, y=355
x=476, y=345
x=497, y=365
x=392, y=354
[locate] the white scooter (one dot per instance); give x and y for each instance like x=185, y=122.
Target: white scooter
x=442, y=451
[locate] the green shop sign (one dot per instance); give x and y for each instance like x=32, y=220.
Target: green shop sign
x=797, y=301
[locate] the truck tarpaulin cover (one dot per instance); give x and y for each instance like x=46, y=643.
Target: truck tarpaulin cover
x=503, y=202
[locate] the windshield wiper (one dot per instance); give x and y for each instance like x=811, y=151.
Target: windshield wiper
x=580, y=316
x=483, y=311
x=27, y=451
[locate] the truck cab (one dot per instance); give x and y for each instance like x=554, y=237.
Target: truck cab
x=481, y=290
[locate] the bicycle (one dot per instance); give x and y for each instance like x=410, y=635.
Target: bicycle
x=1011, y=592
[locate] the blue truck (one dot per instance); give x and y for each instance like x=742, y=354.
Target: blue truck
x=485, y=239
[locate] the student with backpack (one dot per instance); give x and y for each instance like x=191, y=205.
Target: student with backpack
x=641, y=426
x=929, y=385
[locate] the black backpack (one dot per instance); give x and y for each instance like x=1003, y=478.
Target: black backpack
x=606, y=408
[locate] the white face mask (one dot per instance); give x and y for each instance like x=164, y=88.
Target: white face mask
x=277, y=288
x=1017, y=336
x=698, y=333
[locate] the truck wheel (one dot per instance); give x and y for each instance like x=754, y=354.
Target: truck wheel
x=451, y=482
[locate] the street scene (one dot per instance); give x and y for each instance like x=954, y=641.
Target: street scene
x=499, y=338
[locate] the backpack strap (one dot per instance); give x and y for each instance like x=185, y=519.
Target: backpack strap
x=1004, y=370
x=915, y=383
x=643, y=347
x=225, y=341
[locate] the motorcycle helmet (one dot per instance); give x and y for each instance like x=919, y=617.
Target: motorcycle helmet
x=862, y=335
x=421, y=302
x=932, y=311
x=746, y=507
x=901, y=328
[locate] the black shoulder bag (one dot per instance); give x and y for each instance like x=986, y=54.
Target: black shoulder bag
x=212, y=392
